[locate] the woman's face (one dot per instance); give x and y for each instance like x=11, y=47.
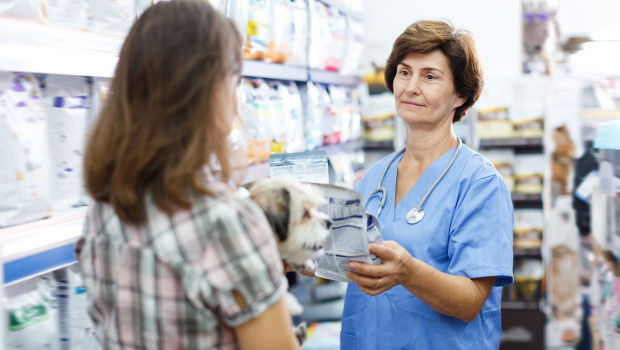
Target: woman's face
x=424, y=89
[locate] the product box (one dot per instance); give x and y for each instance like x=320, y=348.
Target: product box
x=529, y=173
x=493, y=123
x=528, y=228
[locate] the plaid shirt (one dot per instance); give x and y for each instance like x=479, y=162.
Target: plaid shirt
x=168, y=283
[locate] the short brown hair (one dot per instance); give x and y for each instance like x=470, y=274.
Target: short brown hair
x=164, y=118
x=459, y=48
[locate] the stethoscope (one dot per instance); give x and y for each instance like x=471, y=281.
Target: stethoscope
x=416, y=214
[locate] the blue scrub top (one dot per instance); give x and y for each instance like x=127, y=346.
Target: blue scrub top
x=467, y=230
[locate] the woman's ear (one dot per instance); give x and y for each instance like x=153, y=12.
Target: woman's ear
x=460, y=101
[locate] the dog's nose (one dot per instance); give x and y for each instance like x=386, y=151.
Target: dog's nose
x=328, y=223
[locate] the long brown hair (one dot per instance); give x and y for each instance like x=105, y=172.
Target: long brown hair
x=458, y=46
x=168, y=111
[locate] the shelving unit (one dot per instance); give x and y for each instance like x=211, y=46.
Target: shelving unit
x=34, y=248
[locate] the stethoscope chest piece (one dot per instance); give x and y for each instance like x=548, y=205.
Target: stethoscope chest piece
x=414, y=215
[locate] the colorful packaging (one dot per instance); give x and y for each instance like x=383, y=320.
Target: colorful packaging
x=331, y=122
x=67, y=106
x=258, y=30
x=24, y=176
x=256, y=115
x=279, y=46
x=33, y=321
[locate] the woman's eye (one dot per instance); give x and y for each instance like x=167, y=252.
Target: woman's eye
x=430, y=77
x=404, y=73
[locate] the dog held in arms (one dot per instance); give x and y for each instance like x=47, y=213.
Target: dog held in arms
x=292, y=209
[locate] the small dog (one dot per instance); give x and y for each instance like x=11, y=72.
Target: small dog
x=292, y=209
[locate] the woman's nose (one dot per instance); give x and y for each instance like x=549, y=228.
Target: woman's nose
x=413, y=87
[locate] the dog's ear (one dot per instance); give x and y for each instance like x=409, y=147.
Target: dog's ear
x=279, y=220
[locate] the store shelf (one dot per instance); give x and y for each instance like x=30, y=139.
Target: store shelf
x=527, y=252
x=38, y=48
x=527, y=200
x=535, y=142
x=327, y=77
x=260, y=69
x=40, y=246
x=344, y=9
x=520, y=305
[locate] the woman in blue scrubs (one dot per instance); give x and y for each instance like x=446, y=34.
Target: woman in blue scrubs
x=440, y=283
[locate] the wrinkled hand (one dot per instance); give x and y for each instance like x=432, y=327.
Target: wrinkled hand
x=376, y=279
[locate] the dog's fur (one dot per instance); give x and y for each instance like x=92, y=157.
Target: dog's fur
x=300, y=228
x=292, y=210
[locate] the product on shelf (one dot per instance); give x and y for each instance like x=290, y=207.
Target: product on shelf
x=331, y=119
x=341, y=105
x=34, y=10
x=378, y=118
x=334, y=39
x=528, y=274
x=33, y=321
x=298, y=35
x=528, y=228
x=257, y=120
x=238, y=11
x=100, y=91
x=314, y=108
x=529, y=173
x=528, y=128
x=493, y=123
x=67, y=108
x=110, y=16
x=68, y=13
x=354, y=48
x=293, y=112
x=319, y=25
x=24, y=177
x=278, y=47
x=258, y=31
x=277, y=114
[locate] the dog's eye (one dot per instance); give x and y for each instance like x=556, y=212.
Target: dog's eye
x=306, y=214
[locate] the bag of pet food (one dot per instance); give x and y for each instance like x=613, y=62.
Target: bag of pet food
x=67, y=107
x=24, y=176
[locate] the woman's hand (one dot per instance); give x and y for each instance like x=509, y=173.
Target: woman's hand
x=394, y=270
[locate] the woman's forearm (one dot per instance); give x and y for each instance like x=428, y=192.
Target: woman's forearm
x=456, y=296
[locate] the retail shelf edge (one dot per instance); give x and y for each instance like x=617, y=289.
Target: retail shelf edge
x=33, y=248
x=75, y=52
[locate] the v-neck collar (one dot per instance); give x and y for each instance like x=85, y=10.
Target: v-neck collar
x=418, y=190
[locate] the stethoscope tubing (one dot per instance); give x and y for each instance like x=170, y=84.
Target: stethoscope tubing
x=419, y=207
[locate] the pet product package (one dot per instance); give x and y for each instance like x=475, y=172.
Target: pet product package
x=24, y=177
x=304, y=166
x=34, y=10
x=68, y=13
x=318, y=26
x=528, y=173
x=528, y=227
x=258, y=30
x=279, y=46
x=256, y=116
x=314, y=115
x=33, y=321
x=67, y=109
x=350, y=233
x=295, y=141
x=298, y=34
x=112, y=17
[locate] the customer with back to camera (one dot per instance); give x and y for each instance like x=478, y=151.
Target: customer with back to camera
x=440, y=283
x=170, y=258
